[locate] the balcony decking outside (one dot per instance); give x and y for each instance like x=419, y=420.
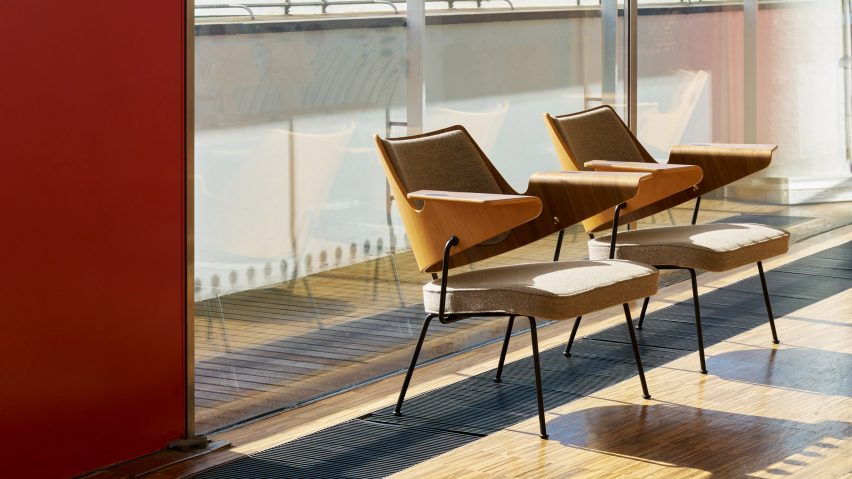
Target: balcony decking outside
x=279, y=346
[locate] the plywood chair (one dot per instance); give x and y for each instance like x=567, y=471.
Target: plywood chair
x=598, y=139
x=457, y=209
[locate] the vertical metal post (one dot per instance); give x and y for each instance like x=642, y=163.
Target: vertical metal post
x=189, y=216
x=631, y=75
x=846, y=63
x=750, y=71
x=609, y=29
x=415, y=19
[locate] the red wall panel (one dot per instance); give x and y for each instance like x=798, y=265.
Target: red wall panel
x=92, y=256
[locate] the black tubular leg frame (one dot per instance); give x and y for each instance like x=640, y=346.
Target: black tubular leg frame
x=614, y=235
x=698, y=312
x=642, y=314
x=645, y=303
x=453, y=241
x=452, y=318
x=768, y=304
x=697, y=306
x=645, y=393
x=537, y=368
x=497, y=377
x=698, y=332
x=558, y=245
x=695, y=211
x=567, y=352
x=397, y=411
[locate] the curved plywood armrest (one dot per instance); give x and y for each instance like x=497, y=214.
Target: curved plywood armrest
x=665, y=182
x=722, y=163
x=467, y=197
x=569, y=197
x=628, y=166
x=472, y=217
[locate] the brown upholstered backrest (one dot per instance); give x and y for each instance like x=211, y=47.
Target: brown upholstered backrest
x=598, y=134
x=448, y=160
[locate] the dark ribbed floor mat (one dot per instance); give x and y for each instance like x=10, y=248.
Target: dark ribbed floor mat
x=380, y=444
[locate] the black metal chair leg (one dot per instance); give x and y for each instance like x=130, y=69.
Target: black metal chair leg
x=768, y=304
x=398, y=409
x=567, y=352
x=645, y=393
x=505, y=348
x=558, y=245
x=698, y=320
x=537, y=367
x=642, y=314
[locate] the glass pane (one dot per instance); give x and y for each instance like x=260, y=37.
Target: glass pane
x=295, y=297
x=495, y=69
x=802, y=102
x=690, y=85
x=498, y=74
x=699, y=82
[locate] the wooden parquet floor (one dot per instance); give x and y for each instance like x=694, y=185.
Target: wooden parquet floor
x=763, y=411
x=280, y=346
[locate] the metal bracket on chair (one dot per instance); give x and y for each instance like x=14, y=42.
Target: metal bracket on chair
x=614, y=234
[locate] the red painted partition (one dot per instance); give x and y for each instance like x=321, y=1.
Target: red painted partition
x=92, y=262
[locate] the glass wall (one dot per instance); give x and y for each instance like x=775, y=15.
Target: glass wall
x=497, y=76
x=291, y=207
x=304, y=281
x=768, y=72
x=690, y=76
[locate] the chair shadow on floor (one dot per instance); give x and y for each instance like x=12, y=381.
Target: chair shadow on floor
x=802, y=369
x=727, y=444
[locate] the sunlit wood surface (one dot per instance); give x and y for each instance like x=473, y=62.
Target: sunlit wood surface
x=762, y=411
x=278, y=346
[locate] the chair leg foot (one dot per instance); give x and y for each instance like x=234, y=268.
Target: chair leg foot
x=698, y=330
x=497, y=377
x=768, y=304
x=397, y=411
x=645, y=393
x=537, y=368
x=567, y=352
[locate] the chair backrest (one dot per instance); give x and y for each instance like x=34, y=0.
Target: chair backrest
x=446, y=159
x=450, y=160
x=595, y=134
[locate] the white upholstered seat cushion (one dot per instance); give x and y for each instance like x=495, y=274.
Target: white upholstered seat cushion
x=711, y=247
x=558, y=290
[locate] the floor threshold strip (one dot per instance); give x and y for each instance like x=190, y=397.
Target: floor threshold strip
x=380, y=444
